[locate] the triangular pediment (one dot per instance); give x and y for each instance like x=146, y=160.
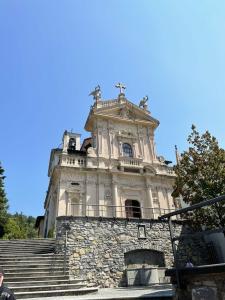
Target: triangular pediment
x=124, y=111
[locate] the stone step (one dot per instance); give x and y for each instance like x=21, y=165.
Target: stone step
x=21, y=263
x=14, y=246
x=24, y=242
x=35, y=264
x=65, y=286
x=36, y=269
x=30, y=262
x=33, y=269
x=11, y=268
x=31, y=256
x=36, y=278
x=31, y=274
x=55, y=293
x=19, y=256
x=29, y=241
x=27, y=252
x=27, y=249
x=12, y=284
x=27, y=246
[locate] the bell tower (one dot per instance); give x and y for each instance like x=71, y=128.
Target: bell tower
x=71, y=142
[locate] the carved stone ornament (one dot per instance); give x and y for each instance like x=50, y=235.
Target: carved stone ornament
x=69, y=176
x=96, y=93
x=125, y=113
x=143, y=102
x=126, y=134
x=90, y=151
x=161, y=159
x=108, y=194
x=150, y=170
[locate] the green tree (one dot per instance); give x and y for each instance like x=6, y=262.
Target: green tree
x=13, y=230
x=201, y=176
x=3, y=202
x=19, y=226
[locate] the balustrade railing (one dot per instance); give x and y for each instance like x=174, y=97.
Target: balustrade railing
x=165, y=170
x=130, y=162
x=107, y=103
x=73, y=161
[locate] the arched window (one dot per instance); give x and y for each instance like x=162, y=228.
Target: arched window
x=127, y=150
x=132, y=209
x=72, y=145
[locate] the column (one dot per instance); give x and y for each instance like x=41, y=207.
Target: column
x=150, y=201
x=120, y=148
x=116, y=209
x=143, y=149
x=84, y=204
x=134, y=150
x=100, y=141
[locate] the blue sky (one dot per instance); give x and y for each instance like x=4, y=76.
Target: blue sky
x=53, y=53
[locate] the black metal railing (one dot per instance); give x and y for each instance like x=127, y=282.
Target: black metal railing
x=113, y=211
x=196, y=248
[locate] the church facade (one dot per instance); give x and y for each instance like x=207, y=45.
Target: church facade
x=115, y=173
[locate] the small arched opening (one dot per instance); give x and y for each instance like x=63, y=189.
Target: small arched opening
x=72, y=145
x=144, y=257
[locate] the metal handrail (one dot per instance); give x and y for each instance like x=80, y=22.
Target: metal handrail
x=100, y=210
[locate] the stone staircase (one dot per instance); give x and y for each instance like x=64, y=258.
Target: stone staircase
x=32, y=269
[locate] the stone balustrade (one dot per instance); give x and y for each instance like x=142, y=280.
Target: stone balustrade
x=130, y=162
x=165, y=170
x=106, y=103
x=73, y=161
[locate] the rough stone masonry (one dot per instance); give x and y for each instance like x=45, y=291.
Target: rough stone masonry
x=96, y=246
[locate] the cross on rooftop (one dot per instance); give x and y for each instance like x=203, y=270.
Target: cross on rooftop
x=121, y=86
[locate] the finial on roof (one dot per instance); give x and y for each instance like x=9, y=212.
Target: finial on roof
x=96, y=93
x=120, y=86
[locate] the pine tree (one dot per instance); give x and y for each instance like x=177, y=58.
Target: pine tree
x=201, y=176
x=3, y=202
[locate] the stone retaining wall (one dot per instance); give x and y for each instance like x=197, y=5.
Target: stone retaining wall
x=96, y=246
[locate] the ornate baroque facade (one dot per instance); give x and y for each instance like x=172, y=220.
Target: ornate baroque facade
x=114, y=173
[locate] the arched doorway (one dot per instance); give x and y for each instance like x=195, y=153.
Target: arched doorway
x=132, y=209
